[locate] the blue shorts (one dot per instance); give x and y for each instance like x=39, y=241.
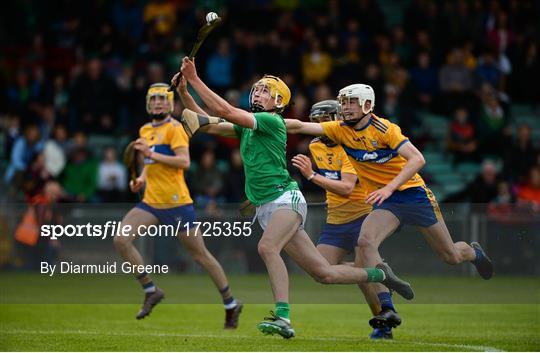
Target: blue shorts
x=413, y=206
x=343, y=236
x=171, y=216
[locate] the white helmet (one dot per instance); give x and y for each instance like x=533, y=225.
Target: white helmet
x=361, y=91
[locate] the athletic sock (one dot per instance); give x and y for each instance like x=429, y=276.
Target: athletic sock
x=479, y=255
x=375, y=274
x=228, y=300
x=386, y=301
x=282, y=311
x=146, y=282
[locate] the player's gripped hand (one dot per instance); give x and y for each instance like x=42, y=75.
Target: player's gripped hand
x=378, y=196
x=181, y=85
x=141, y=145
x=136, y=185
x=188, y=69
x=303, y=163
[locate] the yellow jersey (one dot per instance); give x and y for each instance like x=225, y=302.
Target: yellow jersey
x=165, y=185
x=372, y=151
x=332, y=163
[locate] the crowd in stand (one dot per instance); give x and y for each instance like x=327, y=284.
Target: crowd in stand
x=75, y=69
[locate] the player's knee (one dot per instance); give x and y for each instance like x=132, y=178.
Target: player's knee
x=199, y=257
x=366, y=241
x=324, y=276
x=266, y=249
x=121, y=242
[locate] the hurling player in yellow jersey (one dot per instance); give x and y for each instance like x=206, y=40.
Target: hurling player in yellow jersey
x=345, y=202
x=389, y=163
x=166, y=201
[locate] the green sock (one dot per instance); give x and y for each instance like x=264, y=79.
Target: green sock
x=282, y=310
x=374, y=274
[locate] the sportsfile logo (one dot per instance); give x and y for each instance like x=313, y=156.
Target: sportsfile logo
x=114, y=228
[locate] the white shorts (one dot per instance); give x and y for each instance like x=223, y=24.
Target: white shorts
x=290, y=200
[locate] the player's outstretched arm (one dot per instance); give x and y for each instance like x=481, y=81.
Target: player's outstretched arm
x=295, y=126
x=343, y=187
x=186, y=98
x=415, y=162
x=217, y=104
x=194, y=122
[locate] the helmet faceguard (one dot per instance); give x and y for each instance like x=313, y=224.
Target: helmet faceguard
x=276, y=88
x=159, y=90
x=327, y=110
x=363, y=93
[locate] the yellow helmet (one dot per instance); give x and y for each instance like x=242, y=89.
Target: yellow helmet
x=277, y=88
x=160, y=89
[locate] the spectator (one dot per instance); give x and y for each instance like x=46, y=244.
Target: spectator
x=526, y=71
x=22, y=94
x=390, y=107
x=529, y=194
x=456, y=81
x=323, y=92
x=424, y=80
x=207, y=181
x=112, y=177
x=235, y=178
x=42, y=210
x=461, y=139
x=504, y=194
x=373, y=77
x=347, y=64
x=502, y=206
x=35, y=176
x=78, y=140
x=127, y=17
x=79, y=178
x=487, y=70
x=60, y=98
x=402, y=47
x=24, y=150
x=91, y=99
x=219, y=68
x=520, y=157
x=316, y=64
x=482, y=190
x=159, y=16
x=501, y=37
x=175, y=55
x=492, y=123
x=12, y=128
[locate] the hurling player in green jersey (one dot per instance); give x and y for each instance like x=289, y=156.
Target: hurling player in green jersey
x=281, y=208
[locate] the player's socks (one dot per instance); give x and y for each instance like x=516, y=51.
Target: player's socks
x=387, y=318
x=282, y=311
x=228, y=300
x=374, y=274
x=146, y=282
x=385, y=298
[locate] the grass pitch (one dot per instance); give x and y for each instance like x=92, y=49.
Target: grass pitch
x=433, y=326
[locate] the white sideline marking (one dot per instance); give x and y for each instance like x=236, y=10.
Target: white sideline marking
x=464, y=347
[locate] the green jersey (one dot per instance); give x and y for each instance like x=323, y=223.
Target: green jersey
x=263, y=152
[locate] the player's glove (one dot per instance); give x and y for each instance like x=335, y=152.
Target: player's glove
x=193, y=121
x=130, y=160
